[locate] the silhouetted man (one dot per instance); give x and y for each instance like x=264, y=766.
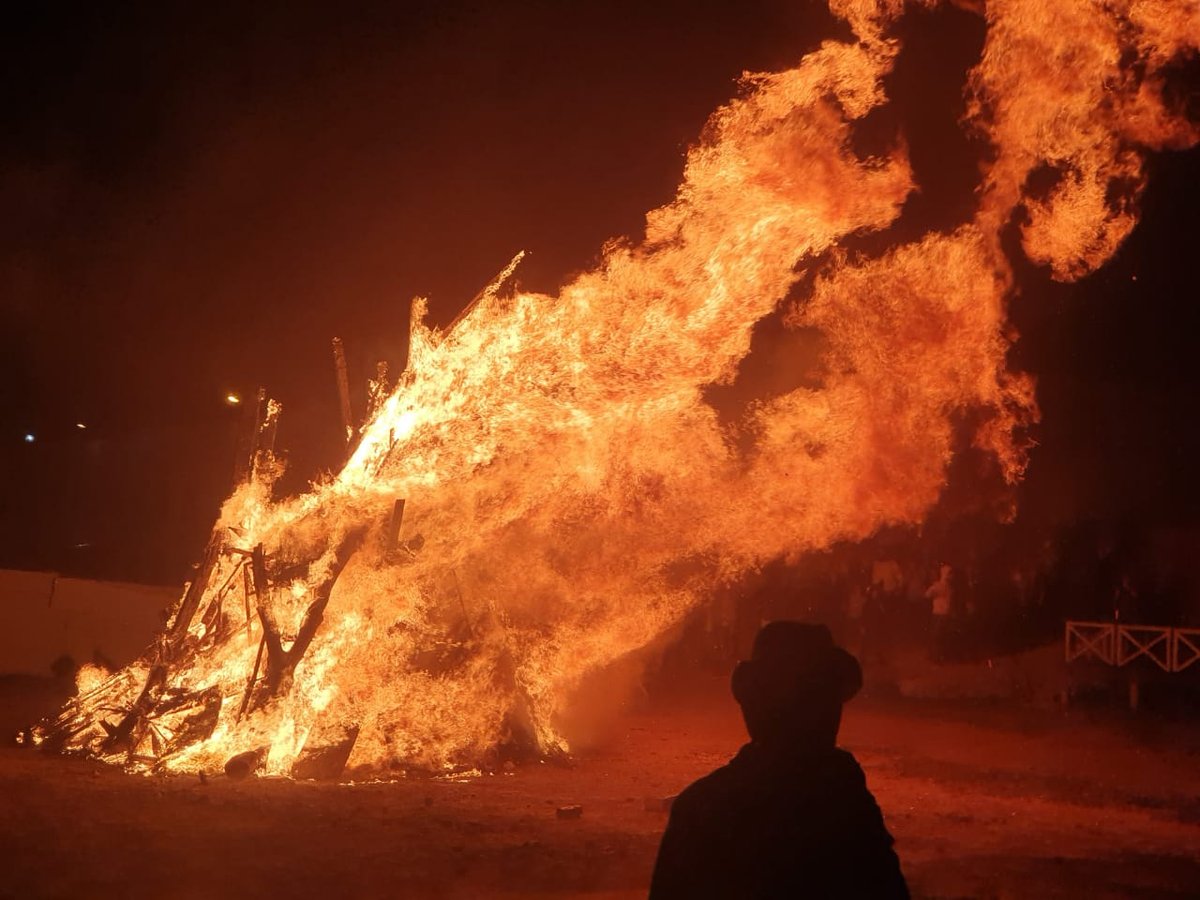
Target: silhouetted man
x=790, y=815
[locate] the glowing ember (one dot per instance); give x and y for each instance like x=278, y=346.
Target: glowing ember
x=569, y=494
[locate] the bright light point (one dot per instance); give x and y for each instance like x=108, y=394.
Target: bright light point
x=29, y=438
x=80, y=426
x=233, y=399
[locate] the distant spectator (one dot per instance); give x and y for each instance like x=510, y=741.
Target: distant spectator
x=940, y=594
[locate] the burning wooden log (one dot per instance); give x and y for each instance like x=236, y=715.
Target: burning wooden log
x=242, y=765
x=325, y=752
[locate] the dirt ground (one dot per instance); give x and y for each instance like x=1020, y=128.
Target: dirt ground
x=984, y=801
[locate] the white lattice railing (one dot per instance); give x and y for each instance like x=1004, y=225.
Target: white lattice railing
x=1171, y=649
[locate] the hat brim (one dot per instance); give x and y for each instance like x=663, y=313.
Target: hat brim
x=837, y=674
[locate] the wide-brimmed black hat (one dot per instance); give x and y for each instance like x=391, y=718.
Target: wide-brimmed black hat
x=796, y=658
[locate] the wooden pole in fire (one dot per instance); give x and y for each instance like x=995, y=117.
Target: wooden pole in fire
x=343, y=382
x=393, y=530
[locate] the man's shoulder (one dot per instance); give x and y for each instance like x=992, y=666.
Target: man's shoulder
x=717, y=781
x=717, y=786
x=844, y=764
x=747, y=765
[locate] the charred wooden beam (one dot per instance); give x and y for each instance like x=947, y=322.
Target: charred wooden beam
x=393, y=529
x=271, y=636
x=228, y=583
x=247, y=434
x=253, y=678
x=491, y=289
x=264, y=444
x=260, y=402
x=193, y=596
x=256, y=436
x=246, y=597
x=343, y=384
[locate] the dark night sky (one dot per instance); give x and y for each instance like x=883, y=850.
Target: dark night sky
x=197, y=199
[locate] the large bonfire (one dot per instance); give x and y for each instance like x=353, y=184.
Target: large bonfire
x=568, y=493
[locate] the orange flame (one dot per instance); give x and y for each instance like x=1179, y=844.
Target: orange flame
x=575, y=493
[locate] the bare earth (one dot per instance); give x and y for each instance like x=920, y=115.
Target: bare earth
x=983, y=801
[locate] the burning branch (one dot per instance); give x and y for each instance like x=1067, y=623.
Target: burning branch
x=281, y=663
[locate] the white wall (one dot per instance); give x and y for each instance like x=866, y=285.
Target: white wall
x=44, y=616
